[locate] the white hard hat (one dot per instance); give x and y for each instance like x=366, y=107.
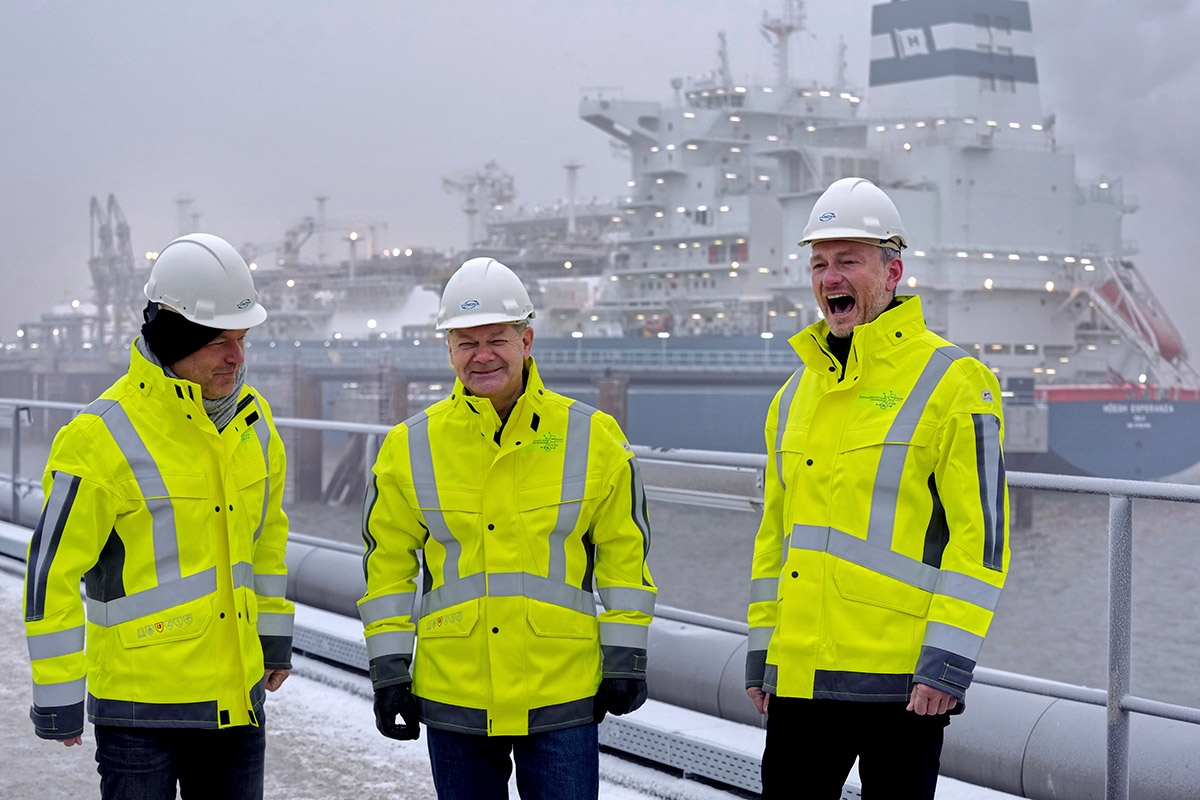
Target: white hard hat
x=483, y=292
x=205, y=279
x=856, y=210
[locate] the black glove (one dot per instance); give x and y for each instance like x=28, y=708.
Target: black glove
x=618, y=696
x=393, y=700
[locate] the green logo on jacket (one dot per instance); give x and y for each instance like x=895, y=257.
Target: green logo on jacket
x=548, y=442
x=880, y=398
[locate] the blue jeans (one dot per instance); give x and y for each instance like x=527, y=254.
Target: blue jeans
x=556, y=765
x=148, y=763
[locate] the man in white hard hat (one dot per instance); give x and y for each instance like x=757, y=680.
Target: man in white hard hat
x=164, y=496
x=520, y=499
x=883, y=545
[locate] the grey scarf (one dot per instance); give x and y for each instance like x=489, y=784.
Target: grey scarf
x=221, y=410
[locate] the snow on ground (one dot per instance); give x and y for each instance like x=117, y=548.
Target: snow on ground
x=321, y=741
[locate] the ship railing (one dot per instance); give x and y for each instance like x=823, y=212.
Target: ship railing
x=430, y=355
x=685, y=476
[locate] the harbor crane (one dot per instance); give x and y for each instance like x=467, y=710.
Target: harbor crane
x=114, y=278
x=285, y=251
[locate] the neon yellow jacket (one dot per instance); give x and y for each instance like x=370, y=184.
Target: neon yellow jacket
x=514, y=522
x=883, y=545
x=179, y=535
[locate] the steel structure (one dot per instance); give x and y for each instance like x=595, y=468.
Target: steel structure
x=113, y=272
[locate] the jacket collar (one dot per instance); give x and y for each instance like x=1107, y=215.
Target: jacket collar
x=149, y=379
x=527, y=403
x=890, y=329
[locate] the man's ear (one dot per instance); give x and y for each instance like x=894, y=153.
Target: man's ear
x=895, y=271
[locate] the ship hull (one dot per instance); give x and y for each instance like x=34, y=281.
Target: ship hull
x=1134, y=439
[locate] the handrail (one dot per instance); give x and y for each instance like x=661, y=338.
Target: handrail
x=1121, y=493
x=430, y=356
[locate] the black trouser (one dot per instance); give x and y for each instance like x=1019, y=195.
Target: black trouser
x=206, y=764
x=812, y=744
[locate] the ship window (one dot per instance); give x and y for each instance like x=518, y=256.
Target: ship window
x=983, y=21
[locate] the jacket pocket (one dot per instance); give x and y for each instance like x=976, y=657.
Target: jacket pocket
x=879, y=434
x=248, y=468
x=791, y=455
x=154, y=485
x=455, y=621
x=561, y=623
x=862, y=585
x=185, y=621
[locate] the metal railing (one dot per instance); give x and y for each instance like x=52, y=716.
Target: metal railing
x=430, y=355
x=1118, y=699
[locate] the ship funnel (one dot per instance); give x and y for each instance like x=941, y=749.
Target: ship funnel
x=972, y=58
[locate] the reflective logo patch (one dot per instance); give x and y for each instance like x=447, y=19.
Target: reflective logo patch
x=987, y=395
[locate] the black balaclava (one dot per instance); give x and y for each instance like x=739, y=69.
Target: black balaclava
x=171, y=336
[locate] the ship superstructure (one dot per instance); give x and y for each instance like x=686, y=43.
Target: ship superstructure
x=1015, y=258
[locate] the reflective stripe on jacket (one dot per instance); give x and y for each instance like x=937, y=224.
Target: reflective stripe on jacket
x=179, y=535
x=514, y=522
x=884, y=538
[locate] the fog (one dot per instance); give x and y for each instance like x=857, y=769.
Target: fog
x=252, y=110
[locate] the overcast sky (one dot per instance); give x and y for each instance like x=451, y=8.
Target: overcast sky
x=253, y=109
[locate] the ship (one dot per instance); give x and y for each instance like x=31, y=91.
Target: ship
x=1016, y=258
